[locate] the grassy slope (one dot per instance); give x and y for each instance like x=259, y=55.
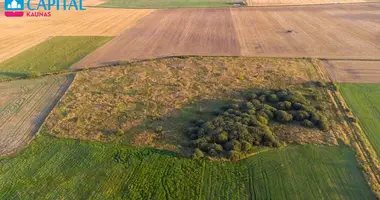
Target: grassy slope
x=364, y=101
x=52, y=168
x=53, y=55
x=166, y=3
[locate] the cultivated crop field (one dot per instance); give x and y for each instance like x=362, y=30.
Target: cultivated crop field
x=24, y=105
x=364, y=101
x=336, y=31
x=354, y=71
x=113, y=172
x=47, y=58
x=19, y=34
x=207, y=32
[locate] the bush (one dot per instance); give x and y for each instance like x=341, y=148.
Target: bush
x=33, y=74
x=159, y=129
x=282, y=116
x=252, y=96
x=119, y=132
x=212, y=152
x=353, y=119
x=297, y=106
x=198, y=154
x=262, y=120
x=307, y=123
x=301, y=115
x=245, y=146
x=218, y=148
x=222, y=137
x=228, y=146
x=273, y=98
x=321, y=84
x=262, y=98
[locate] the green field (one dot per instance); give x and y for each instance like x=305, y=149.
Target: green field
x=166, y=3
x=55, y=54
x=52, y=168
x=364, y=100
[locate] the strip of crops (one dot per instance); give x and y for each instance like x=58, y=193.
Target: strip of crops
x=363, y=99
x=54, y=168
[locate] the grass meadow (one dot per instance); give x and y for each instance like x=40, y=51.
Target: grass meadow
x=53, y=55
x=52, y=168
x=363, y=99
x=166, y=3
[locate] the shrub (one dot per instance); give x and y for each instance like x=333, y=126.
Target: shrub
x=353, y=119
x=199, y=122
x=262, y=120
x=218, y=148
x=321, y=84
x=212, y=152
x=236, y=145
x=307, y=123
x=301, y=115
x=245, y=146
x=159, y=129
x=297, y=106
x=222, y=137
x=119, y=132
x=228, y=146
x=252, y=96
x=282, y=116
x=33, y=74
x=198, y=154
x=262, y=98
x=273, y=98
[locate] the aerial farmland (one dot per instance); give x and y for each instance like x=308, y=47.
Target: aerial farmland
x=199, y=99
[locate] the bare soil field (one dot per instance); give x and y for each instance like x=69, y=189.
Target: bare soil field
x=24, y=105
x=206, y=32
x=335, y=31
x=18, y=34
x=301, y=2
x=354, y=71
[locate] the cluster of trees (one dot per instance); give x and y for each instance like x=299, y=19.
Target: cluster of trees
x=239, y=127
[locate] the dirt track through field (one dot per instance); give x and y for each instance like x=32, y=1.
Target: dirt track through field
x=354, y=71
x=24, y=105
x=19, y=34
x=335, y=31
x=207, y=32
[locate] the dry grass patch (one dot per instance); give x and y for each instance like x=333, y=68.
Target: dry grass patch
x=140, y=96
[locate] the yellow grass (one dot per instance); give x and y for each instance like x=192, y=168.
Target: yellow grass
x=18, y=34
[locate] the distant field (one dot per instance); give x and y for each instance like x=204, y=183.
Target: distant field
x=364, y=101
x=56, y=168
x=53, y=55
x=334, y=31
x=166, y=3
x=353, y=71
x=24, y=105
x=21, y=33
x=301, y=2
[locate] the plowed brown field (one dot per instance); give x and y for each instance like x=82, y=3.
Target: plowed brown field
x=344, y=31
x=18, y=34
x=300, y=2
x=207, y=32
x=24, y=105
x=354, y=71
x=335, y=31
